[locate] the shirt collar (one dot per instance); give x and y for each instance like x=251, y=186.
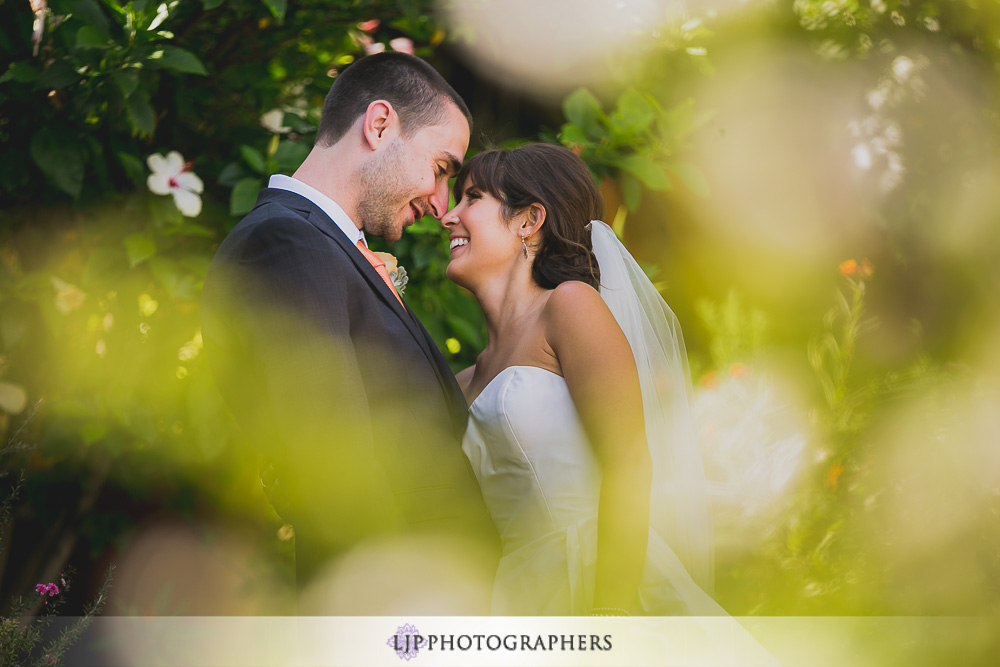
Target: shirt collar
x=328, y=206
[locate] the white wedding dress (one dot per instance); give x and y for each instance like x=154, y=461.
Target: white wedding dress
x=541, y=480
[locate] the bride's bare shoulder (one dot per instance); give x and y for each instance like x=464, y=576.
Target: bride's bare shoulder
x=574, y=309
x=573, y=299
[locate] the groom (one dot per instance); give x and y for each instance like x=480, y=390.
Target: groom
x=327, y=371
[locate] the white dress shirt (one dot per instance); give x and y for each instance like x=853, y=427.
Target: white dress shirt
x=330, y=207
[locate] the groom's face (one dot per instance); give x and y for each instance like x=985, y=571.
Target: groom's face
x=409, y=179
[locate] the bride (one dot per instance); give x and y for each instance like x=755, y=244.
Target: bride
x=580, y=428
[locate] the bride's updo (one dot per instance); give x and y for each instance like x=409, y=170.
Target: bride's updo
x=557, y=179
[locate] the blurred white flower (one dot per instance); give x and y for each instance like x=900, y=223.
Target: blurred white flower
x=862, y=157
x=12, y=398
x=402, y=44
x=753, y=438
x=877, y=98
x=374, y=47
x=901, y=68
x=68, y=297
x=171, y=175
x=272, y=122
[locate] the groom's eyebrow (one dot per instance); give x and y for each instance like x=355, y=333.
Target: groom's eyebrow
x=454, y=164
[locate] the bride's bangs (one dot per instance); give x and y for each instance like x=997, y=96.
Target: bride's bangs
x=485, y=171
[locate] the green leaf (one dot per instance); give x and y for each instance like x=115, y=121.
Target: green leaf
x=133, y=167
x=61, y=158
x=254, y=158
x=58, y=75
x=197, y=264
x=179, y=284
x=572, y=134
x=290, y=155
x=635, y=111
x=89, y=12
x=423, y=254
x=103, y=266
x=297, y=123
x=582, y=109
x=189, y=229
x=14, y=323
x=21, y=71
x=277, y=8
x=208, y=414
x=140, y=114
x=89, y=37
x=210, y=4
x=139, y=248
x=244, y=196
x=127, y=81
x=231, y=174
x=652, y=175
x=178, y=60
x=631, y=192
x=93, y=431
x=692, y=177
x=98, y=161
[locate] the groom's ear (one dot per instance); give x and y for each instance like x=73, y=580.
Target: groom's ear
x=380, y=123
x=534, y=219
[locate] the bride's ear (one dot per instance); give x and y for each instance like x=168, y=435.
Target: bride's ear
x=533, y=221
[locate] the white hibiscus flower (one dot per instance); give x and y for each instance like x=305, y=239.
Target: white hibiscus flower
x=171, y=175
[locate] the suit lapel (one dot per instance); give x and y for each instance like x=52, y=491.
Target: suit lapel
x=316, y=216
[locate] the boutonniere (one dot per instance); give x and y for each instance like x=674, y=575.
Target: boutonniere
x=396, y=272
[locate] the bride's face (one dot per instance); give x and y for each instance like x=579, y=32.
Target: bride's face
x=480, y=242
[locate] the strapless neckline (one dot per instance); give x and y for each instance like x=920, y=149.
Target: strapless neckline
x=497, y=377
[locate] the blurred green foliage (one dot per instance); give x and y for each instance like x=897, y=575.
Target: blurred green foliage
x=100, y=279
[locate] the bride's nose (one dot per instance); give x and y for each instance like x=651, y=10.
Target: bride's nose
x=449, y=218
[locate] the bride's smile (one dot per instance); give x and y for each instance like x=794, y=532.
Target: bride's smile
x=479, y=240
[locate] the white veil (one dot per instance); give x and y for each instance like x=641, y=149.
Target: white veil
x=679, y=508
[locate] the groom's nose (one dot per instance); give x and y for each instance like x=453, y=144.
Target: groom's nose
x=439, y=200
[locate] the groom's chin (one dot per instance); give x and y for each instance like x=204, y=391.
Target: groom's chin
x=417, y=575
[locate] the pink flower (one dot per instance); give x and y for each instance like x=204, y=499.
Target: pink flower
x=47, y=589
x=368, y=26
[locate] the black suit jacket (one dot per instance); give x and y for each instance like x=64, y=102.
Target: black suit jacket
x=337, y=384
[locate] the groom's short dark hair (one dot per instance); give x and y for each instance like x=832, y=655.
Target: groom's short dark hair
x=414, y=89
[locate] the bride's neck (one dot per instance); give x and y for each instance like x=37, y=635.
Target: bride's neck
x=506, y=303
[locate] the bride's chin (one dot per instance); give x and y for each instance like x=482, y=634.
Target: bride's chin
x=454, y=275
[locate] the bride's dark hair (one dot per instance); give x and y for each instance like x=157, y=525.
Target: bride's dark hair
x=557, y=179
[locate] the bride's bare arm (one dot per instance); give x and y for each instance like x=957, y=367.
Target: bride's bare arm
x=600, y=371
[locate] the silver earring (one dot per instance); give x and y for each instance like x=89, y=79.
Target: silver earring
x=524, y=245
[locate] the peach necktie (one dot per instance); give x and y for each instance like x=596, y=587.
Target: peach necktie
x=379, y=266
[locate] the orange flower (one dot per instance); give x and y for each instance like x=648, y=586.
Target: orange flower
x=848, y=267
x=836, y=470
x=708, y=380
x=737, y=370
x=867, y=268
